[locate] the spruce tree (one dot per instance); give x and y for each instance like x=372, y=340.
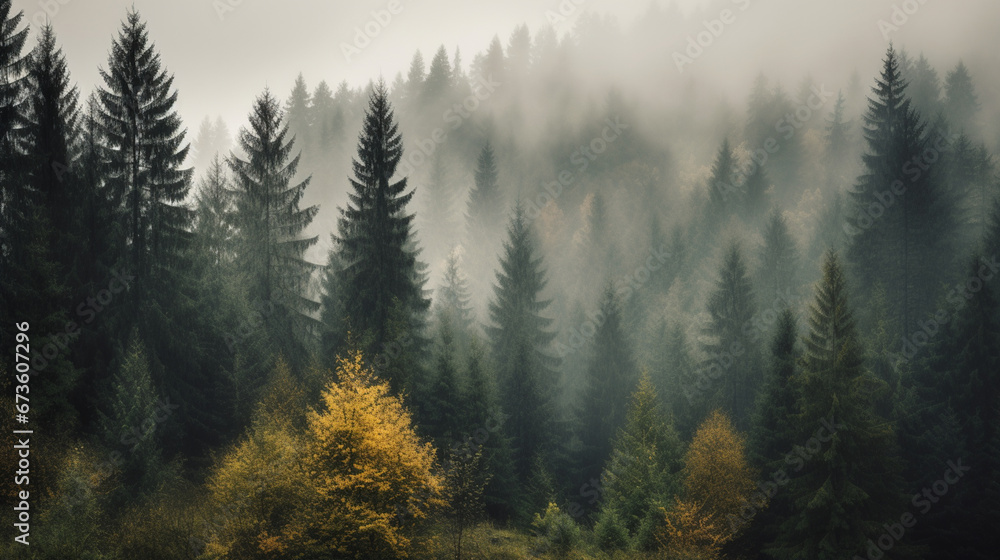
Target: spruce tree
x=643, y=473
x=778, y=260
x=773, y=433
x=143, y=152
x=453, y=298
x=520, y=336
x=14, y=195
x=379, y=269
x=298, y=113
x=721, y=191
x=610, y=380
x=484, y=215
x=732, y=367
x=270, y=245
x=906, y=244
x=132, y=424
x=960, y=101
x=845, y=492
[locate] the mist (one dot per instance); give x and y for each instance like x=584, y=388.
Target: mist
x=579, y=278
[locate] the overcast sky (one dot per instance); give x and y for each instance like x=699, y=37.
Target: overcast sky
x=221, y=62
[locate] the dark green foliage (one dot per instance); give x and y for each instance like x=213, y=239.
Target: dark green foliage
x=270, y=248
x=731, y=374
x=960, y=101
x=774, y=433
x=907, y=247
x=643, y=473
x=144, y=151
x=610, y=380
x=845, y=493
x=378, y=266
x=520, y=339
x=779, y=260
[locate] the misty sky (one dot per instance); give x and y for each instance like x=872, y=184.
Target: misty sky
x=221, y=64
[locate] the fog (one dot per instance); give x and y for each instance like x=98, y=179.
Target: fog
x=641, y=230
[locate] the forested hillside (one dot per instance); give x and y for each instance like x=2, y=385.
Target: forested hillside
x=498, y=307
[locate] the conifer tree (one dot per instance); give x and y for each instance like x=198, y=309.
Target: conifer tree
x=908, y=247
x=847, y=491
x=270, y=247
x=960, y=101
x=732, y=347
x=721, y=191
x=14, y=195
x=144, y=151
x=610, y=381
x=453, y=298
x=485, y=208
x=774, y=433
x=520, y=337
x=298, y=112
x=778, y=259
x=133, y=420
x=378, y=265
x=643, y=473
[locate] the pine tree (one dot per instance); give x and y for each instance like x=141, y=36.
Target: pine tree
x=732, y=347
x=213, y=204
x=436, y=86
x=14, y=195
x=485, y=210
x=51, y=144
x=778, y=259
x=270, y=247
x=443, y=408
x=131, y=425
x=754, y=193
x=453, y=298
x=298, y=113
x=907, y=247
x=520, y=336
x=643, y=472
x=721, y=191
x=838, y=144
x=144, y=152
x=847, y=491
x=379, y=268
x=960, y=101
x=774, y=433
x=925, y=87
x=610, y=380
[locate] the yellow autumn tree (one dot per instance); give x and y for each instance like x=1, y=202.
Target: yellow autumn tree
x=372, y=480
x=718, y=481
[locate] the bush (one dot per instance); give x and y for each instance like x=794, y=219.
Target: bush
x=609, y=531
x=556, y=530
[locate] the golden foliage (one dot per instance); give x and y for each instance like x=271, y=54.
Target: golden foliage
x=718, y=481
x=354, y=481
x=371, y=475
